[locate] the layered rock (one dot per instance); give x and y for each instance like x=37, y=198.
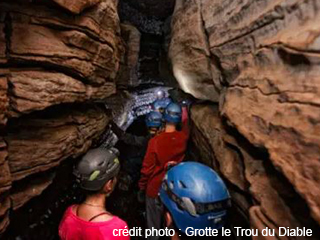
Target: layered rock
x=266, y=58
x=32, y=90
x=4, y=101
x=63, y=132
x=76, y=6
x=272, y=202
x=189, y=52
x=5, y=184
x=23, y=191
x=54, y=64
x=37, y=143
x=85, y=46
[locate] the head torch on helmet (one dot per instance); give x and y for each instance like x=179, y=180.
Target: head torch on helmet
x=193, y=208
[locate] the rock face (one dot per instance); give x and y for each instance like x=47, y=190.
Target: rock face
x=272, y=201
x=128, y=72
x=54, y=65
x=263, y=57
x=76, y=6
x=60, y=133
x=189, y=52
x=5, y=184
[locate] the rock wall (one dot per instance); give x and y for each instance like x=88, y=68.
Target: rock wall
x=262, y=57
x=128, y=73
x=56, y=59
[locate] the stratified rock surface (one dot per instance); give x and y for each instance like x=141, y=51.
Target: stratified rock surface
x=273, y=202
x=57, y=59
x=5, y=184
x=264, y=61
x=76, y=6
x=189, y=52
x=61, y=133
x=60, y=57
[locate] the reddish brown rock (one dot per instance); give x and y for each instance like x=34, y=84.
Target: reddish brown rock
x=5, y=177
x=4, y=101
x=208, y=122
x=85, y=46
x=33, y=90
x=260, y=222
x=5, y=184
x=189, y=52
x=51, y=138
x=23, y=191
x=270, y=54
x=276, y=202
x=4, y=211
x=50, y=60
x=267, y=56
x=76, y=6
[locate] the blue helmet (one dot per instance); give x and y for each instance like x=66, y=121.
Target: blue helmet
x=195, y=196
x=161, y=104
x=173, y=113
x=154, y=119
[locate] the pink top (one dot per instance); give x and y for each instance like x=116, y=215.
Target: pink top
x=74, y=228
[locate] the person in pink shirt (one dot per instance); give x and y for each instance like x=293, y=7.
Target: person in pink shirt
x=97, y=174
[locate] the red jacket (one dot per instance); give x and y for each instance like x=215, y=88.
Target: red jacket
x=162, y=149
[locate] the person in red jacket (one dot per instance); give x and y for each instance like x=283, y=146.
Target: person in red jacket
x=166, y=148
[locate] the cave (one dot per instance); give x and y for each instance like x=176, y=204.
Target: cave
x=250, y=68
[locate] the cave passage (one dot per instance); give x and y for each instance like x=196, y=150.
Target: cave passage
x=251, y=70
x=40, y=217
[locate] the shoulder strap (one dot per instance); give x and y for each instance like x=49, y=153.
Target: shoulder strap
x=98, y=215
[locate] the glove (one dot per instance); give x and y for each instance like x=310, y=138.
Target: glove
x=141, y=196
